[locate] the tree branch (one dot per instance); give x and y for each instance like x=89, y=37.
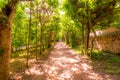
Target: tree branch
x=103, y=12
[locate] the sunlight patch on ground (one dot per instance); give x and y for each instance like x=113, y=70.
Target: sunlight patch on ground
x=64, y=64
x=86, y=66
x=60, y=46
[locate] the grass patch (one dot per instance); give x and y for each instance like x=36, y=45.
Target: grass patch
x=105, y=56
x=103, y=61
x=19, y=54
x=32, y=54
x=106, y=62
x=78, y=50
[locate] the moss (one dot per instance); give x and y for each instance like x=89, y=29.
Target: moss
x=3, y=20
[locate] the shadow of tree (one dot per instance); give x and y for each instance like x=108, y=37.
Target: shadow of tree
x=63, y=64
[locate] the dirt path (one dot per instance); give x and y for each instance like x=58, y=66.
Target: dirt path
x=64, y=64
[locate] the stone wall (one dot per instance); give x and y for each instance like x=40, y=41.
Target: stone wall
x=109, y=41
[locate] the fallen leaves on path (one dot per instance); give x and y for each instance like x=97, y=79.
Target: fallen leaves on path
x=64, y=64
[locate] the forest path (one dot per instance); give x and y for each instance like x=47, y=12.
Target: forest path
x=64, y=64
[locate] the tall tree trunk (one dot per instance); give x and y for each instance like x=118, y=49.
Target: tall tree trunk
x=6, y=19
x=5, y=51
x=88, y=26
x=29, y=37
x=49, y=38
x=83, y=35
x=86, y=42
x=37, y=33
x=41, y=40
x=36, y=43
x=54, y=37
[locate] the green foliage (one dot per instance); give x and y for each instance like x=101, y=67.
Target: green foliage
x=107, y=62
x=48, y=22
x=108, y=57
x=53, y=3
x=20, y=22
x=65, y=20
x=3, y=3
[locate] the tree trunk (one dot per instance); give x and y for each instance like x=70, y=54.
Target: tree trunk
x=49, y=38
x=88, y=26
x=41, y=40
x=5, y=50
x=6, y=19
x=29, y=37
x=82, y=43
x=37, y=34
x=92, y=41
x=86, y=42
x=36, y=43
x=54, y=37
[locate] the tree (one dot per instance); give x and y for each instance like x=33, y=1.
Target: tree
x=89, y=13
x=6, y=19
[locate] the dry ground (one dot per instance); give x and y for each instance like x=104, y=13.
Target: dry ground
x=64, y=64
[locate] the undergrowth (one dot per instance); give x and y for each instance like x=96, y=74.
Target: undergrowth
x=32, y=54
x=103, y=61
x=106, y=62
x=105, y=56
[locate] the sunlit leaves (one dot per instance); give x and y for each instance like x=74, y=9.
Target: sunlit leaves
x=66, y=16
x=3, y=3
x=81, y=4
x=19, y=29
x=53, y=3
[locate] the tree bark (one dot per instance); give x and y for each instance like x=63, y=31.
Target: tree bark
x=36, y=43
x=41, y=39
x=6, y=19
x=88, y=27
x=93, y=40
x=49, y=39
x=29, y=37
x=86, y=42
x=37, y=34
x=5, y=50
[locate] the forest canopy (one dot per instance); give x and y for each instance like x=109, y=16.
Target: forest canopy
x=39, y=24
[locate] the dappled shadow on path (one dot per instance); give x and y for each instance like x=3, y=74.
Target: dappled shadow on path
x=64, y=64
